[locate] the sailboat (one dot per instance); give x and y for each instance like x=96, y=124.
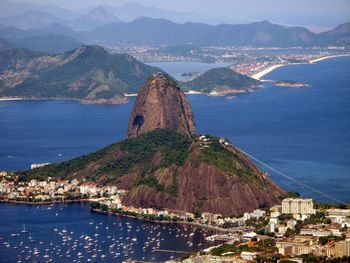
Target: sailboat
x=24, y=229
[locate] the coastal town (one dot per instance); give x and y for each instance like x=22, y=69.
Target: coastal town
x=293, y=230
x=250, y=61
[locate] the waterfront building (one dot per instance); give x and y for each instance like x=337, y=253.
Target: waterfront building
x=89, y=189
x=6, y=187
x=37, y=165
x=33, y=183
x=298, y=206
x=111, y=190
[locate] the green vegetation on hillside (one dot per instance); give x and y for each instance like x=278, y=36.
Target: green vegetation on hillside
x=219, y=79
x=148, y=155
x=172, y=147
x=88, y=73
x=49, y=43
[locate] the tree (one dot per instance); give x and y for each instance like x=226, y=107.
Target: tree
x=95, y=205
x=104, y=207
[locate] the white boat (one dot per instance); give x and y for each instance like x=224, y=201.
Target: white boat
x=24, y=229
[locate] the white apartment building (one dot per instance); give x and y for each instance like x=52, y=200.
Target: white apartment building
x=89, y=189
x=37, y=165
x=298, y=206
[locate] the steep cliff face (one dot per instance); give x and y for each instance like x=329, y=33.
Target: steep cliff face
x=161, y=104
x=207, y=187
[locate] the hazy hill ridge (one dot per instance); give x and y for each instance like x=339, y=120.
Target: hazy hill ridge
x=152, y=31
x=89, y=74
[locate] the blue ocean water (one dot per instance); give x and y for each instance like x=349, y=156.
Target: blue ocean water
x=303, y=133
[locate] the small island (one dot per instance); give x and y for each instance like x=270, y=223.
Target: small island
x=291, y=84
x=221, y=82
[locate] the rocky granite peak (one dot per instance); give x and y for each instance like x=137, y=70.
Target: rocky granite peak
x=164, y=165
x=161, y=104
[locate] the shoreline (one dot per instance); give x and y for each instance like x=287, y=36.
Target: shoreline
x=327, y=57
x=10, y=99
x=86, y=102
x=140, y=218
x=44, y=202
x=98, y=211
x=269, y=69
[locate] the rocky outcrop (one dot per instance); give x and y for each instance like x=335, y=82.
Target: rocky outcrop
x=163, y=164
x=161, y=104
x=207, y=188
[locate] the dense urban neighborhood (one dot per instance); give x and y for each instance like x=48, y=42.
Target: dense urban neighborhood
x=290, y=230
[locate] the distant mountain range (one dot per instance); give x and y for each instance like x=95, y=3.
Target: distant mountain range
x=9, y=8
x=132, y=10
x=49, y=43
x=151, y=25
x=88, y=74
x=152, y=31
x=31, y=20
x=93, y=75
x=262, y=34
x=95, y=18
x=7, y=45
x=127, y=12
x=37, y=19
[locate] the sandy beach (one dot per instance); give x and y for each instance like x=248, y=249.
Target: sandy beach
x=327, y=57
x=262, y=73
x=6, y=99
x=267, y=70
